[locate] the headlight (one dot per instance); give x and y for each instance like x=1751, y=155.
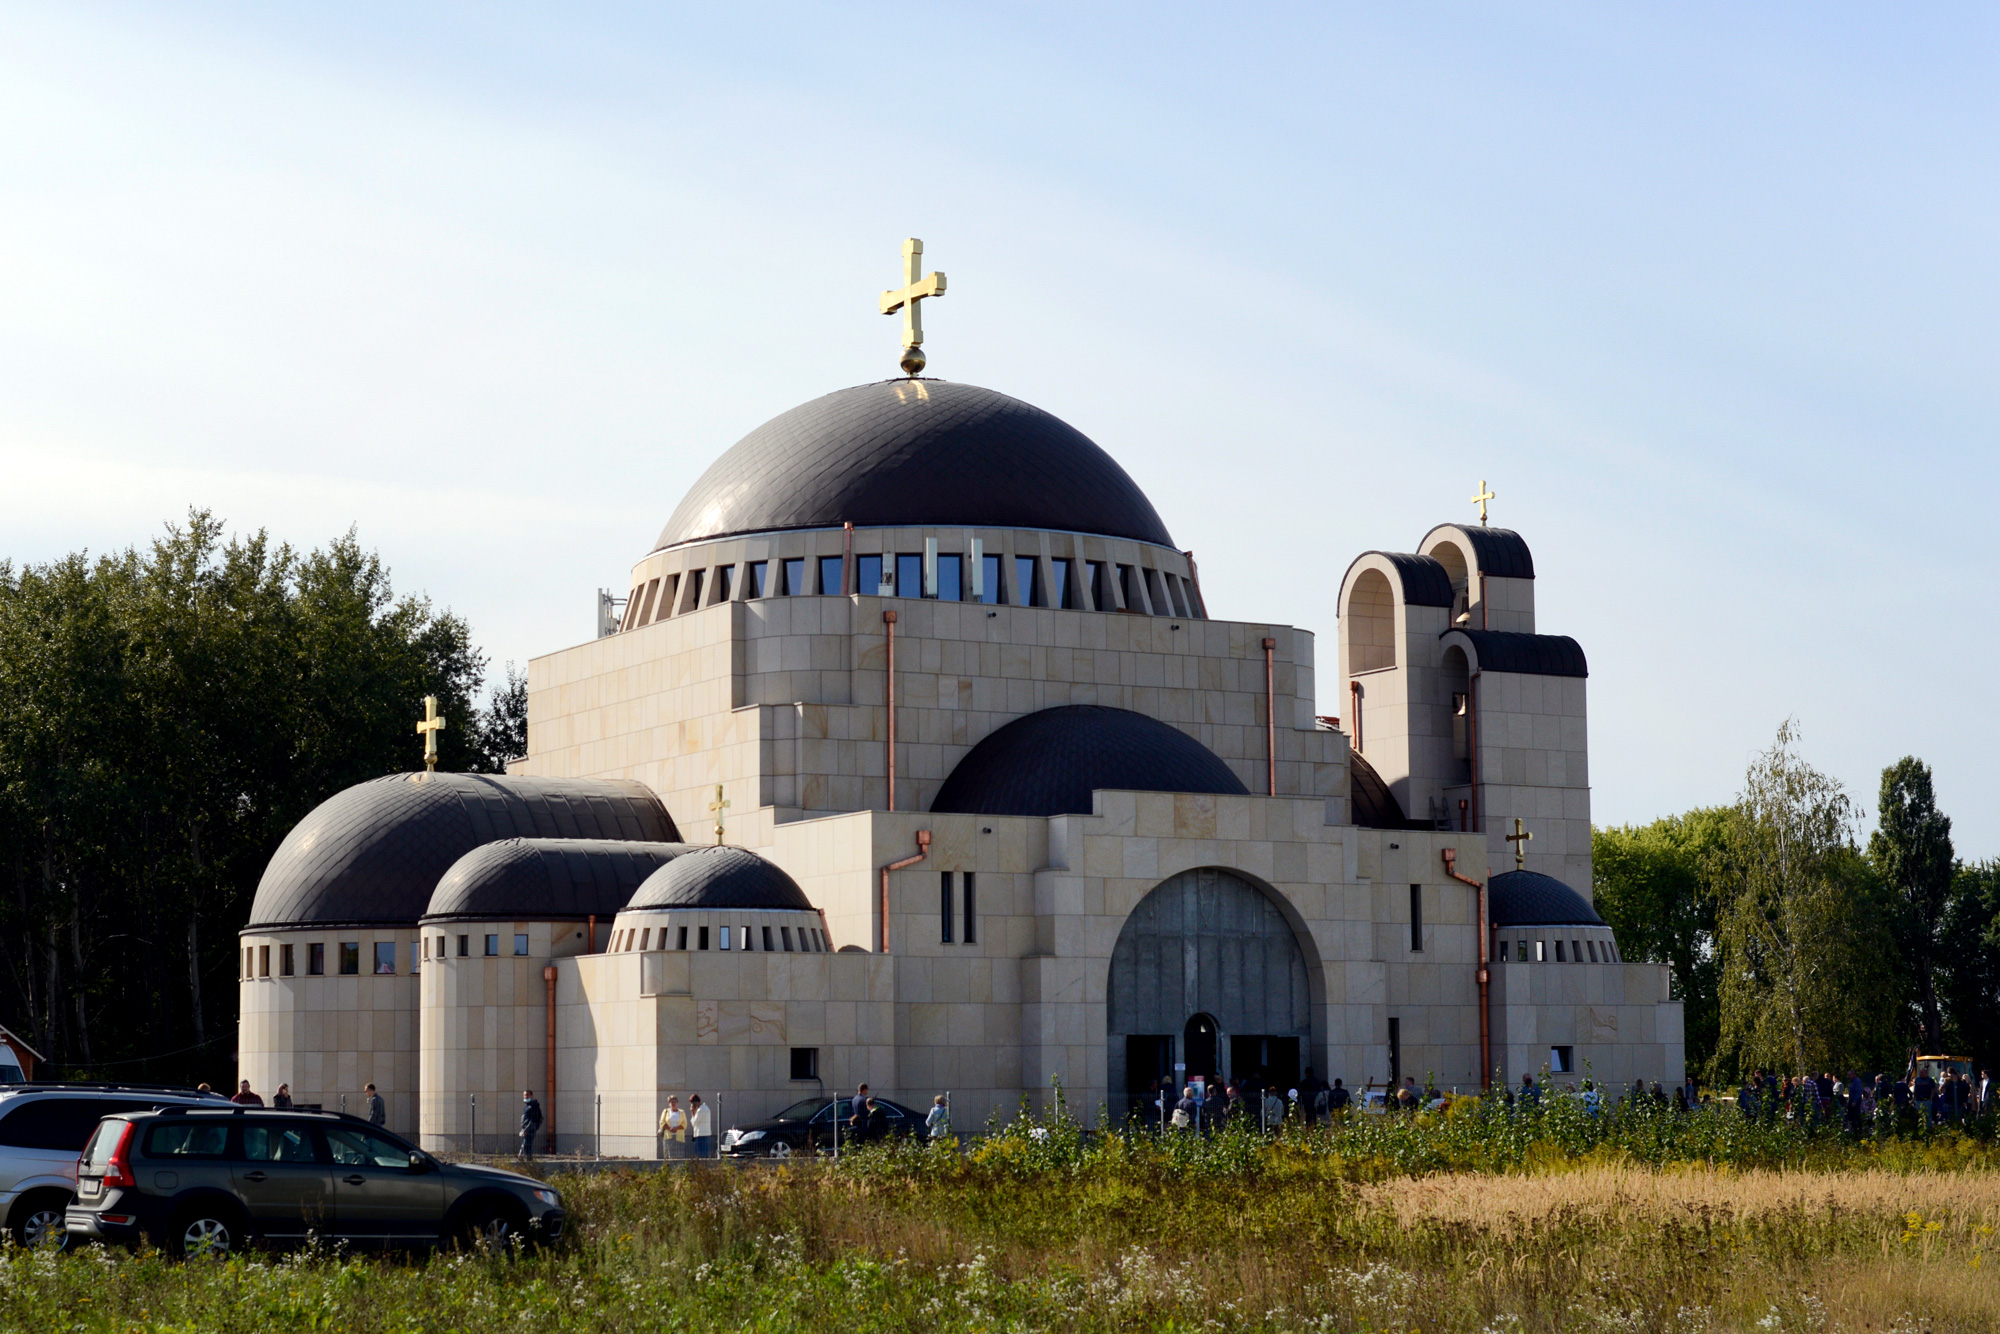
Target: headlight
x=548, y=1197
x=748, y=1136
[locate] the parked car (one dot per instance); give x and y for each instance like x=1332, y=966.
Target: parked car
x=42, y=1129
x=806, y=1127
x=196, y=1181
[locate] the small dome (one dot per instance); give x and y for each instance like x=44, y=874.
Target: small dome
x=916, y=453
x=1049, y=763
x=1529, y=898
x=722, y=877
x=547, y=879
x=375, y=852
x=1371, y=804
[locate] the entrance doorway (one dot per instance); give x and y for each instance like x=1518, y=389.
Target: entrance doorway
x=1273, y=1062
x=1202, y=1048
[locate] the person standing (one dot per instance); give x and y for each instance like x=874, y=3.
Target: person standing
x=243, y=1097
x=1274, y=1109
x=701, y=1125
x=1691, y=1091
x=673, y=1128
x=531, y=1122
x=1214, y=1101
x=1530, y=1094
x=876, y=1127
x=857, y=1114
x=378, y=1111
x=1984, y=1103
x=937, y=1125
x=1337, y=1098
x=1187, y=1113
x=282, y=1099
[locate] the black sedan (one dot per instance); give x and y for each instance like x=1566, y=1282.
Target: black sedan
x=808, y=1126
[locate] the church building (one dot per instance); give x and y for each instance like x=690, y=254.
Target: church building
x=917, y=757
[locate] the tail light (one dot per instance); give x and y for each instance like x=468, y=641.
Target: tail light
x=118, y=1172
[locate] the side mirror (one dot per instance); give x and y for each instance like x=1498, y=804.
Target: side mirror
x=419, y=1162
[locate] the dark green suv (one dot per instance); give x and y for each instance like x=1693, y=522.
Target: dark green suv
x=202, y=1182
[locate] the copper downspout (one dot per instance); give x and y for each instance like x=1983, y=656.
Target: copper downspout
x=1484, y=974
x=590, y=946
x=923, y=848
x=549, y=978
x=889, y=620
x=1271, y=714
x=847, y=558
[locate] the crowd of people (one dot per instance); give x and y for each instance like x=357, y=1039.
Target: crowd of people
x=1210, y=1103
x=1861, y=1101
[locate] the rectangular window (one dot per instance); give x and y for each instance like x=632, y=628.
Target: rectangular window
x=1027, y=582
x=415, y=964
x=316, y=960
x=757, y=578
x=646, y=603
x=725, y=582
x=909, y=576
x=385, y=958
x=350, y=958
x=704, y=937
x=805, y=1063
x=520, y=945
x=1541, y=951
x=248, y=970
x=722, y=941
x=427, y=947
x=743, y=939
x=263, y=961
x=868, y=576
x=646, y=939
x=795, y=577
x=1520, y=949
x=944, y=906
x=785, y=935
x=1416, y=919
x=284, y=960
x=682, y=939
x=1064, y=593
x=989, y=576
x=1128, y=589
x=1592, y=946
x=1154, y=595
x=829, y=576
x=667, y=596
x=691, y=599
x=768, y=946
x=1177, y=585
x=492, y=945
x=1100, y=596
x=1562, y=1060
x=1395, y=1054
x=1576, y=951
x=971, y=911
x=464, y=946
x=1559, y=953
x=951, y=578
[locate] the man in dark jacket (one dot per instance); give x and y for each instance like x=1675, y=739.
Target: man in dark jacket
x=1213, y=1103
x=531, y=1121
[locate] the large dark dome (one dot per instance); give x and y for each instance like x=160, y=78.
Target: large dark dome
x=720, y=877
x=375, y=852
x=1529, y=898
x=547, y=879
x=915, y=453
x=1049, y=763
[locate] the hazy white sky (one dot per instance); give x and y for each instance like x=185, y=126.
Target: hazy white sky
x=1708, y=296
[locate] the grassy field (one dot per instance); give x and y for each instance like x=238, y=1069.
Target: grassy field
x=1501, y=1226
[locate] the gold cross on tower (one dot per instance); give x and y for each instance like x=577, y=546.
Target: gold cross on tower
x=428, y=729
x=718, y=806
x=1519, y=838
x=905, y=299
x=1481, y=499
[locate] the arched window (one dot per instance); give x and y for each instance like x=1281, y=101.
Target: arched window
x=1371, y=623
x=1448, y=555
x=1455, y=685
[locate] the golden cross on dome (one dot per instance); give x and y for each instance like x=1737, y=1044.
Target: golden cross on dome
x=428, y=729
x=905, y=299
x=718, y=806
x=1519, y=838
x=1481, y=499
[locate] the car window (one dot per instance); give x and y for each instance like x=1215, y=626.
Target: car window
x=843, y=1109
x=280, y=1144
x=800, y=1111
x=360, y=1148
x=63, y=1124
x=96, y=1158
x=187, y=1139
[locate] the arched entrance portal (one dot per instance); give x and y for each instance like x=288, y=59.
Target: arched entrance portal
x=1207, y=976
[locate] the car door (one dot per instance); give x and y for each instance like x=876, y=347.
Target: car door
x=376, y=1193
x=823, y=1129
x=284, y=1178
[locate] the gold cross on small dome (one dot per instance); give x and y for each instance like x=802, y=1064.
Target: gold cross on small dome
x=718, y=806
x=1481, y=499
x=905, y=299
x=1519, y=838
x=428, y=729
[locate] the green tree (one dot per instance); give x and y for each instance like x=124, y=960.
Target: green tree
x=1803, y=929
x=503, y=724
x=1969, y=963
x=1911, y=852
x=1647, y=883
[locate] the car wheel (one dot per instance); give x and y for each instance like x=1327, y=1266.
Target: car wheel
x=779, y=1149
x=204, y=1233
x=491, y=1226
x=40, y=1223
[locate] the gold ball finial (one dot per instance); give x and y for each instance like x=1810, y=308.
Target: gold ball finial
x=913, y=361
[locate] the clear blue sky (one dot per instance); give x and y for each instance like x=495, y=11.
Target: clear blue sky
x=1708, y=296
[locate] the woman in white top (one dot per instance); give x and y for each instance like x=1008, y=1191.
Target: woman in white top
x=673, y=1127
x=701, y=1125
x=938, y=1124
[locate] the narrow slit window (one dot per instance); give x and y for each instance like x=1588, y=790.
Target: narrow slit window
x=829, y=576
x=703, y=934
x=767, y=940
x=1541, y=951
x=350, y=958
x=725, y=582
x=909, y=576
x=1416, y=919
x=681, y=940
x=1559, y=953
x=646, y=604
x=440, y=952
x=284, y=960
x=645, y=940
x=722, y=938
x=668, y=591
x=1593, y=949
x=990, y=575
x=464, y=946
x=316, y=960
x=520, y=945
x=1027, y=582
x=1128, y=589
x=1520, y=951
x=1064, y=593
x=263, y=961
x=414, y=962
x=692, y=601
x=1157, y=598
x=385, y=958
x=493, y=945
x=785, y=935
x=971, y=911
x=1178, y=585
x=1576, y=951
x=795, y=577
x=951, y=578
x=944, y=906
x=1100, y=596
